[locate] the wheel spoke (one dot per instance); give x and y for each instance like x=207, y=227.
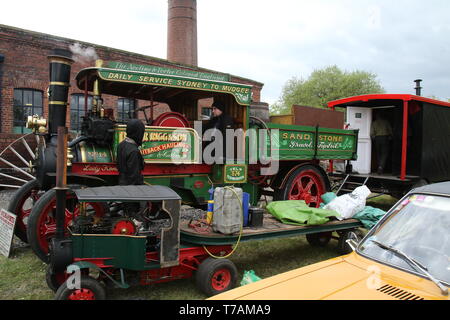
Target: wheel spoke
x=309, y=185
x=18, y=155
x=28, y=148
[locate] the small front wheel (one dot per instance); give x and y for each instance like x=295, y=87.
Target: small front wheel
x=88, y=289
x=318, y=239
x=215, y=276
x=343, y=246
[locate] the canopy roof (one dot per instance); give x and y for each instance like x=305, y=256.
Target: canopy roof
x=160, y=83
x=131, y=193
x=376, y=100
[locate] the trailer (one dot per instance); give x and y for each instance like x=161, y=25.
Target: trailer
x=420, y=152
x=88, y=256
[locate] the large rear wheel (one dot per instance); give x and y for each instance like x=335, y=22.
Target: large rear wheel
x=42, y=223
x=21, y=204
x=305, y=183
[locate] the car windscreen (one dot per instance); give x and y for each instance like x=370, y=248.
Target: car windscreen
x=418, y=226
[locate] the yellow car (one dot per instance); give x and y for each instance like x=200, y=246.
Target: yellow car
x=406, y=256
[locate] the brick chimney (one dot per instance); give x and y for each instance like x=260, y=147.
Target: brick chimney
x=182, y=32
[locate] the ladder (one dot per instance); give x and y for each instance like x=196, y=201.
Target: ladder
x=350, y=185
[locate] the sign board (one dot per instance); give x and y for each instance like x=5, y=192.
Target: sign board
x=305, y=143
x=235, y=173
x=165, y=145
x=167, y=71
x=166, y=77
x=7, y=223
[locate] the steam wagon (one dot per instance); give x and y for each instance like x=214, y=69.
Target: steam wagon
x=268, y=158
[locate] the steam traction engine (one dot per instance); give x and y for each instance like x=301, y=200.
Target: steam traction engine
x=172, y=148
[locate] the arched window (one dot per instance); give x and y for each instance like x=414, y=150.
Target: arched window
x=27, y=102
x=125, y=109
x=77, y=110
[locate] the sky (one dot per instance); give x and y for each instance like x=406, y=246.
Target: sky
x=270, y=41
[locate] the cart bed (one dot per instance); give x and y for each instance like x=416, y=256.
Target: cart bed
x=271, y=228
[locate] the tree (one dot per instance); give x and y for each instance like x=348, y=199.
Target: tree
x=324, y=85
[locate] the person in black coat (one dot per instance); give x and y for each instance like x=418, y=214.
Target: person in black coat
x=130, y=162
x=220, y=121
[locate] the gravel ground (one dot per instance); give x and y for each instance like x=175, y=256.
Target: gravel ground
x=5, y=196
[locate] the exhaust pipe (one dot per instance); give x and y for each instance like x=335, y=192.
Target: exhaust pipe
x=58, y=90
x=418, y=87
x=60, y=63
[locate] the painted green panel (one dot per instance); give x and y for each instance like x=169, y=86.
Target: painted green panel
x=241, y=92
x=306, y=143
x=127, y=252
x=167, y=71
x=195, y=185
x=91, y=152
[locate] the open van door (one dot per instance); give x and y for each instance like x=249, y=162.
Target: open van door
x=361, y=118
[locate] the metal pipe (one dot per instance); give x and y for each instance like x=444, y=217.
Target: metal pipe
x=404, y=140
x=61, y=182
x=418, y=87
x=60, y=67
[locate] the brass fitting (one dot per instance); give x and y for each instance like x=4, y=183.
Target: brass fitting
x=69, y=157
x=98, y=63
x=37, y=124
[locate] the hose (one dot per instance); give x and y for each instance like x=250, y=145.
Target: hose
x=240, y=232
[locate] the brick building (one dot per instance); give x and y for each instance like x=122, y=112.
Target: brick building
x=24, y=76
x=24, y=79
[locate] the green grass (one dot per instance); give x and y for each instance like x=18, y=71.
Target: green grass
x=22, y=276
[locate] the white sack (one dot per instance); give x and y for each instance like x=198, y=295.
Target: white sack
x=349, y=204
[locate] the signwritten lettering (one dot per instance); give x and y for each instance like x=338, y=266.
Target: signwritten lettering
x=240, y=91
x=166, y=145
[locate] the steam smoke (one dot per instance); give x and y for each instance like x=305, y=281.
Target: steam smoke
x=83, y=54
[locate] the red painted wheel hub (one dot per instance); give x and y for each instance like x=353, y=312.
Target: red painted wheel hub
x=221, y=279
x=125, y=227
x=82, y=294
x=307, y=186
x=24, y=212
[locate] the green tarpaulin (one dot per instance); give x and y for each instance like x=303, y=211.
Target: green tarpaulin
x=369, y=216
x=297, y=212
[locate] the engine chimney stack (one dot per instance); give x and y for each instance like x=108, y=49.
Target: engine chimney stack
x=418, y=87
x=182, y=32
x=58, y=90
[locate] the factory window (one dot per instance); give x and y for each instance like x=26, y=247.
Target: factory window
x=125, y=109
x=27, y=102
x=77, y=103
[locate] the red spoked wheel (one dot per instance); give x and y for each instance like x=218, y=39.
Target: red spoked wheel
x=42, y=223
x=171, y=119
x=305, y=183
x=88, y=289
x=21, y=204
x=215, y=276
